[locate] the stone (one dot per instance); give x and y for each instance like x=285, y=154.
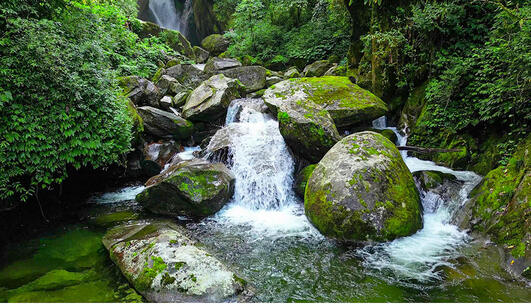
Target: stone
x=140, y=91
x=188, y=75
x=169, y=85
x=194, y=188
x=292, y=72
x=363, y=191
x=272, y=80
x=165, y=265
x=215, y=44
x=201, y=55
x=164, y=124
x=166, y=102
x=216, y=64
x=252, y=77
x=348, y=104
x=317, y=69
x=211, y=99
x=302, y=180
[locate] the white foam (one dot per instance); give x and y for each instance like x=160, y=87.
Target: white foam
x=124, y=194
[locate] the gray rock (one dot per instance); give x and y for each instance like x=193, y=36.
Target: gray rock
x=165, y=124
x=215, y=65
x=272, y=80
x=363, y=191
x=180, y=98
x=252, y=77
x=215, y=44
x=194, y=188
x=292, y=72
x=317, y=68
x=187, y=74
x=141, y=91
x=201, y=55
x=165, y=265
x=211, y=99
x=166, y=102
x=169, y=85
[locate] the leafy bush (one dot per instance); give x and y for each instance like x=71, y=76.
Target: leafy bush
x=60, y=104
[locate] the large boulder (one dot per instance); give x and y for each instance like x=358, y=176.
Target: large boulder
x=348, y=104
x=211, y=99
x=252, y=77
x=363, y=191
x=307, y=127
x=317, y=69
x=201, y=55
x=165, y=124
x=215, y=44
x=189, y=75
x=194, y=188
x=140, y=90
x=165, y=265
x=216, y=65
x=169, y=85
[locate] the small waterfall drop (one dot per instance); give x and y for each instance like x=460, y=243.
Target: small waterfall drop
x=263, y=166
x=420, y=256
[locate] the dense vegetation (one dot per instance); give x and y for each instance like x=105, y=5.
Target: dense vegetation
x=60, y=104
x=280, y=33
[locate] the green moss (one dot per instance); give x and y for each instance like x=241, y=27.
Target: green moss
x=145, y=279
x=158, y=74
x=239, y=280
x=116, y=217
x=302, y=179
x=98, y=291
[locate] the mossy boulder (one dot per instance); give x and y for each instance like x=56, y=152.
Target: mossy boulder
x=252, y=77
x=307, y=128
x=363, y=191
x=215, y=44
x=173, y=38
x=348, y=104
x=193, y=188
x=140, y=91
x=165, y=265
x=211, y=99
x=189, y=75
x=201, y=55
x=501, y=207
x=302, y=180
x=163, y=124
x=317, y=68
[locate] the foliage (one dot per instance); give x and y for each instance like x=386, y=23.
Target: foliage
x=60, y=104
x=281, y=32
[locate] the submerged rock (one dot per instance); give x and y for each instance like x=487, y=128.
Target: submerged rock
x=211, y=99
x=165, y=124
x=165, y=265
x=193, y=188
x=215, y=44
x=348, y=104
x=362, y=191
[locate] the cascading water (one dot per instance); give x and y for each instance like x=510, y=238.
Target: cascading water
x=263, y=166
x=167, y=15
x=421, y=255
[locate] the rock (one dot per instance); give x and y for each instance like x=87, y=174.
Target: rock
x=317, y=68
x=362, y=191
x=215, y=44
x=272, y=80
x=201, y=55
x=389, y=134
x=348, y=104
x=165, y=265
x=173, y=38
x=165, y=124
x=437, y=188
x=215, y=65
x=180, y=99
x=166, y=102
x=161, y=152
x=431, y=180
x=333, y=71
x=252, y=77
x=193, y=188
x=211, y=99
x=169, y=85
x=307, y=127
x=292, y=73
x=140, y=91
x=302, y=180
x=188, y=75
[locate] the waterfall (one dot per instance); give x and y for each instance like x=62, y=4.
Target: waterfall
x=421, y=255
x=167, y=15
x=264, y=198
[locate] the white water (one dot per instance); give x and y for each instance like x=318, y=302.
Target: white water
x=168, y=16
x=419, y=256
x=121, y=195
x=264, y=199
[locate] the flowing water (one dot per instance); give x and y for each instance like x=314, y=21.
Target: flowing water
x=265, y=236
x=167, y=14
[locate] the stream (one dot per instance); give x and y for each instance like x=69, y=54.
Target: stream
x=265, y=236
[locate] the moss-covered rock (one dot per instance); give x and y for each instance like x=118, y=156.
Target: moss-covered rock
x=189, y=75
x=501, y=207
x=362, y=190
x=193, y=188
x=302, y=180
x=165, y=265
x=252, y=77
x=215, y=44
x=317, y=68
x=429, y=180
x=348, y=104
x=164, y=124
x=211, y=99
